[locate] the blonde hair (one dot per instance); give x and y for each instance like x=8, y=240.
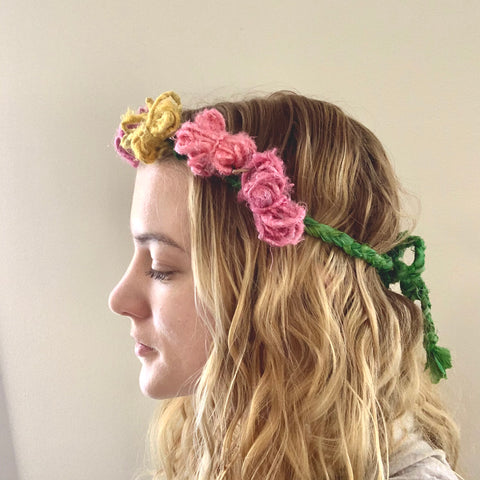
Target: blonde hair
x=313, y=362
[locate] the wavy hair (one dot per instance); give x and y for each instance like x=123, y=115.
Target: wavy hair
x=313, y=362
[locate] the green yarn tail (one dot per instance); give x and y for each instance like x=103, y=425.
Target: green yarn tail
x=438, y=360
x=392, y=269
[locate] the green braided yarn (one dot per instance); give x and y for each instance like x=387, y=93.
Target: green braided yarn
x=392, y=269
x=234, y=181
x=347, y=244
x=414, y=288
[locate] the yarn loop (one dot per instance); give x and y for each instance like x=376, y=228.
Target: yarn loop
x=392, y=269
x=145, y=133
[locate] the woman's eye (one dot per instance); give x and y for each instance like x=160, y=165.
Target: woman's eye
x=157, y=275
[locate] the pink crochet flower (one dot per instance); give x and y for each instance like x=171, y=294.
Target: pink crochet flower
x=210, y=148
x=282, y=225
x=266, y=189
x=265, y=184
x=129, y=157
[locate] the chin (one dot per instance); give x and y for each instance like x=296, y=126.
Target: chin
x=162, y=393
x=153, y=386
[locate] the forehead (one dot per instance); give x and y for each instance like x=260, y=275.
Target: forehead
x=159, y=204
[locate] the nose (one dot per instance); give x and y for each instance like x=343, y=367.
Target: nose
x=115, y=299
x=130, y=296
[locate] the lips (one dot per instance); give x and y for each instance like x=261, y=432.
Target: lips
x=142, y=350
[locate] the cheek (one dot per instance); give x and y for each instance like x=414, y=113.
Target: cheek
x=177, y=323
x=182, y=340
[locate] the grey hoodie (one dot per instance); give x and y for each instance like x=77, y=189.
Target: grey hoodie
x=417, y=460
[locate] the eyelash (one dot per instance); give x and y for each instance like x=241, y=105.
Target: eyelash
x=157, y=275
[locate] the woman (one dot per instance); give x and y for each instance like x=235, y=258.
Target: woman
x=266, y=235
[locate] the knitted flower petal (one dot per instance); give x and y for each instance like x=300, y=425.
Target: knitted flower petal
x=264, y=185
x=282, y=225
x=210, y=120
x=121, y=151
x=197, y=146
x=232, y=153
x=210, y=149
x=148, y=141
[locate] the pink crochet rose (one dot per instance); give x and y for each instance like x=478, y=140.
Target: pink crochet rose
x=282, y=225
x=197, y=147
x=264, y=185
x=210, y=148
x=233, y=152
x=129, y=157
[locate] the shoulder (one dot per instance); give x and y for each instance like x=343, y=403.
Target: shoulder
x=417, y=460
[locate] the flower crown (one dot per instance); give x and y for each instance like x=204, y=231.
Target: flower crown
x=259, y=177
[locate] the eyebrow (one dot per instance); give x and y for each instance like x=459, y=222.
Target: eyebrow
x=157, y=237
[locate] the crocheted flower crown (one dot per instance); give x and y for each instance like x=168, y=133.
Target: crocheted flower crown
x=259, y=177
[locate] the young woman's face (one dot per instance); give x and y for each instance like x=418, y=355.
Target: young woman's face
x=157, y=290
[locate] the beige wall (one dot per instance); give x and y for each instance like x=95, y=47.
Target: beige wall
x=410, y=70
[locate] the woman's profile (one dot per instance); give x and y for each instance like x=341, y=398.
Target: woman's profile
x=267, y=235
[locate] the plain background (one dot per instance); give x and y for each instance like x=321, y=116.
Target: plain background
x=70, y=406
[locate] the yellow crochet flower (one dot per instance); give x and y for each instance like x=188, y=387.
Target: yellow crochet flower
x=146, y=132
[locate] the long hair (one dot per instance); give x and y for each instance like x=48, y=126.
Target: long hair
x=313, y=363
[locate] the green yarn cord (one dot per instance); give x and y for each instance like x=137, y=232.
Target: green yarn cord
x=178, y=156
x=392, y=269
x=347, y=244
x=234, y=181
